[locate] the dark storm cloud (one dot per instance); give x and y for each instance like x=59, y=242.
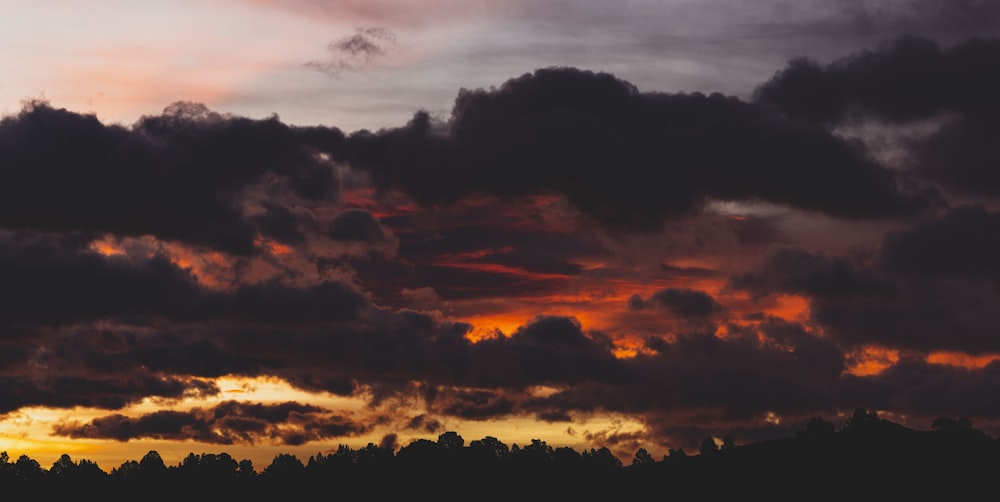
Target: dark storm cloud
x=932, y=286
x=483, y=252
x=336, y=356
x=179, y=176
x=700, y=381
x=904, y=79
x=410, y=346
x=91, y=367
x=943, y=18
x=963, y=155
x=68, y=388
x=962, y=242
x=58, y=280
x=356, y=225
x=386, y=351
x=474, y=404
x=547, y=350
x=814, y=274
x=229, y=422
x=626, y=158
x=699, y=385
x=425, y=423
x=681, y=302
x=929, y=389
x=281, y=224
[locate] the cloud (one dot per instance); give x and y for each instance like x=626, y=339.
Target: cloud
x=354, y=53
x=623, y=158
x=904, y=79
x=32, y=383
x=944, y=18
x=183, y=176
x=282, y=224
x=929, y=287
x=814, y=274
x=356, y=225
x=700, y=385
x=681, y=302
x=477, y=251
x=59, y=280
x=387, y=12
x=229, y=422
x=929, y=388
x=962, y=155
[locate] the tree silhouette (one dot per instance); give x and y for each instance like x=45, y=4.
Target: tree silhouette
x=62, y=467
x=285, y=467
x=861, y=420
x=817, y=427
x=566, y=458
x=128, y=469
x=536, y=454
x=451, y=440
x=489, y=448
x=708, y=447
x=642, y=457
x=152, y=464
x=245, y=471
x=28, y=469
x=372, y=455
x=728, y=443
x=602, y=458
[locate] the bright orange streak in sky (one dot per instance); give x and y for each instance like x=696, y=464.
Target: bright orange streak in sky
x=789, y=307
x=275, y=248
x=873, y=360
x=455, y=261
x=106, y=248
x=200, y=264
x=959, y=359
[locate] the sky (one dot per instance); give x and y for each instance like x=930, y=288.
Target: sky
x=280, y=226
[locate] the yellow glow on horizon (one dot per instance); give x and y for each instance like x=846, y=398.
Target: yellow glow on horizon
x=258, y=390
x=29, y=430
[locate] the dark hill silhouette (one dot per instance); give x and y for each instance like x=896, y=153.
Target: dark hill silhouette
x=868, y=458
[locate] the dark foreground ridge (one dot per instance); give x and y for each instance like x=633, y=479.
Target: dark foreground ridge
x=870, y=458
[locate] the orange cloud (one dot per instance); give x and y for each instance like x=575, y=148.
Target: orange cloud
x=962, y=360
x=871, y=360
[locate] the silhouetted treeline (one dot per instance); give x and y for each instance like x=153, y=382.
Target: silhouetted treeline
x=868, y=458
